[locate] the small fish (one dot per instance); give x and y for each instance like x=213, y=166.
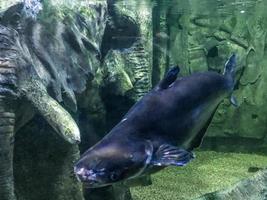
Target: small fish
x=160, y=130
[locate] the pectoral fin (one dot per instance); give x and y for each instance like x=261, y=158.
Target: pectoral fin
x=167, y=155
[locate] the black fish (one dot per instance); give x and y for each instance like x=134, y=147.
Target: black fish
x=159, y=130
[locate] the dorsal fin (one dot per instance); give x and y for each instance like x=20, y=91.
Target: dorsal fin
x=169, y=78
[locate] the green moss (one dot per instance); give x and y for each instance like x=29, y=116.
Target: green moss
x=64, y=11
x=4, y=4
x=209, y=172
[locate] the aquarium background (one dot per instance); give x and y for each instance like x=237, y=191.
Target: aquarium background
x=98, y=58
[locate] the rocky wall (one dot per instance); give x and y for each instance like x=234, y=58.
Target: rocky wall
x=183, y=33
x=201, y=39
x=252, y=188
x=120, y=73
x=43, y=167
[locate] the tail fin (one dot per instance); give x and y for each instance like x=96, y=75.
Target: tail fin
x=229, y=72
x=230, y=66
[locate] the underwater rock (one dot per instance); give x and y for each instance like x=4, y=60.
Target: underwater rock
x=117, y=77
x=60, y=49
x=7, y=3
x=160, y=42
x=124, y=76
x=43, y=164
x=252, y=188
x=51, y=60
x=65, y=47
x=139, y=56
x=200, y=39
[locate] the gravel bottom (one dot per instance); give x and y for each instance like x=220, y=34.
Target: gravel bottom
x=210, y=171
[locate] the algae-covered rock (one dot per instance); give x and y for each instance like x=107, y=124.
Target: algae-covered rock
x=253, y=188
x=200, y=39
x=61, y=48
x=117, y=75
x=4, y=4
x=138, y=58
x=43, y=164
x=104, y=51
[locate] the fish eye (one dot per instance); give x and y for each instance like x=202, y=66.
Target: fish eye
x=114, y=176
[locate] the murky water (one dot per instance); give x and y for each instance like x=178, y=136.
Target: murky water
x=83, y=64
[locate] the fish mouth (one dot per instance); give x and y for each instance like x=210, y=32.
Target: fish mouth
x=85, y=176
x=88, y=178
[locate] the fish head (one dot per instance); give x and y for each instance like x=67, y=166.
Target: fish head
x=106, y=165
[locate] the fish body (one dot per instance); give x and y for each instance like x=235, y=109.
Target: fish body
x=160, y=130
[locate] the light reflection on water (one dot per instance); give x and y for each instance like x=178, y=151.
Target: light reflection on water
x=213, y=7
x=200, y=7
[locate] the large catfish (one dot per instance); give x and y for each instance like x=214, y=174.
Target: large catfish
x=159, y=130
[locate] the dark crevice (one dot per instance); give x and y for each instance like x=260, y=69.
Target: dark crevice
x=213, y=52
x=72, y=40
x=156, y=12
x=119, y=36
x=121, y=31
x=254, y=116
x=115, y=105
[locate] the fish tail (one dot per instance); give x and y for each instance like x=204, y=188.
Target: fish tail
x=229, y=73
x=230, y=68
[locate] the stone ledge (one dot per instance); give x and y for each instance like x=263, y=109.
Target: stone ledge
x=252, y=188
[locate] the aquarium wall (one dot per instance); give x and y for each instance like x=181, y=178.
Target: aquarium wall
x=201, y=39
x=92, y=60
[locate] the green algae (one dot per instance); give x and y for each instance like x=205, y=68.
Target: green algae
x=210, y=171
